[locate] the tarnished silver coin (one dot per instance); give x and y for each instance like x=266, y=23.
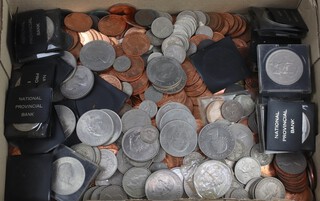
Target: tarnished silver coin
x=122, y=63
x=158, y=166
x=97, y=55
x=205, y=30
x=149, y=107
x=69, y=59
x=167, y=107
x=123, y=163
x=178, y=138
x=242, y=133
x=201, y=17
x=256, y=153
x=136, y=149
x=192, y=49
x=117, y=125
x=134, y=181
x=98, y=154
x=252, y=123
x=149, y=134
x=67, y=119
x=144, y=164
x=246, y=102
x=178, y=114
x=163, y=185
x=238, y=152
x=212, y=179
x=108, y=164
x=154, y=55
x=125, y=108
x=153, y=39
x=96, y=193
x=160, y=155
x=85, y=151
x=232, y=110
x=284, y=67
x=190, y=189
x=162, y=27
x=95, y=128
x=134, y=118
x=127, y=88
x=291, y=163
x=175, y=51
x=152, y=94
x=247, y=168
x=50, y=28
x=88, y=193
x=177, y=88
x=113, y=192
x=79, y=85
x=239, y=193
x=270, y=188
x=116, y=178
x=249, y=185
x=145, y=17
x=216, y=141
x=25, y=127
x=68, y=176
x=165, y=14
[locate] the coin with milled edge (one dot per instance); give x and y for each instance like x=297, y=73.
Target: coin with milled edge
x=167, y=107
x=134, y=118
x=67, y=119
x=269, y=188
x=163, y=185
x=117, y=125
x=79, y=85
x=162, y=27
x=122, y=63
x=149, y=107
x=95, y=128
x=108, y=164
x=149, y=134
x=216, y=141
x=212, y=179
x=246, y=102
x=85, y=150
x=123, y=163
x=113, y=192
x=232, y=110
x=97, y=55
x=178, y=114
x=256, y=153
x=68, y=176
x=134, y=182
x=246, y=169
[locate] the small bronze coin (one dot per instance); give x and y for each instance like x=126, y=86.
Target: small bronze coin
x=112, y=25
x=79, y=22
x=135, y=44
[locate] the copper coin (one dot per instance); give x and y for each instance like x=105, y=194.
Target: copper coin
x=305, y=195
x=311, y=170
x=242, y=27
x=196, y=39
x=114, y=41
x=140, y=84
x=196, y=112
x=194, y=101
x=217, y=36
x=215, y=20
x=134, y=72
x=130, y=21
x=225, y=28
x=229, y=18
x=74, y=36
x=135, y=44
x=172, y=161
x=113, y=80
x=135, y=30
x=14, y=151
x=268, y=171
x=189, y=104
x=198, y=91
x=105, y=38
x=76, y=50
x=200, y=125
x=85, y=37
x=119, y=50
x=112, y=25
x=193, y=79
x=246, y=36
x=195, y=86
x=112, y=147
x=239, y=43
x=122, y=9
x=79, y=22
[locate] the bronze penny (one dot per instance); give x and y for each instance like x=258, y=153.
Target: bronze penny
x=305, y=195
x=135, y=30
x=193, y=79
x=130, y=21
x=196, y=112
x=114, y=41
x=134, y=72
x=112, y=147
x=172, y=161
x=196, y=39
x=140, y=84
x=229, y=18
x=79, y=22
x=215, y=20
x=246, y=36
x=268, y=171
x=200, y=125
x=135, y=44
x=189, y=104
x=217, y=36
x=311, y=170
x=242, y=27
x=76, y=50
x=105, y=38
x=74, y=36
x=112, y=25
x=85, y=37
x=194, y=101
x=195, y=86
x=198, y=91
x=225, y=28
x=112, y=80
x=122, y=9
x=239, y=43
x=118, y=49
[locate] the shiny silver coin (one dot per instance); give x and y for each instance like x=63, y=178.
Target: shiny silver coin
x=68, y=176
x=216, y=141
x=97, y=55
x=239, y=193
x=134, y=181
x=113, y=192
x=177, y=170
x=284, y=67
x=85, y=151
x=125, y=108
x=167, y=107
x=291, y=163
x=155, y=41
x=88, y=193
x=127, y=88
x=232, y=110
x=178, y=138
x=250, y=184
x=178, y=114
x=123, y=162
x=212, y=179
x=95, y=128
x=117, y=125
x=134, y=118
x=79, y=85
x=149, y=107
x=154, y=55
x=162, y=27
x=108, y=164
x=188, y=13
x=96, y=193
x=246, y=102
x=163, y=185
x=122, y=63
x=152, y=94
x=201, y=17
x=67, y=119
x=50, y=28
x=69, y=59
x=269, y=188
x=205, y=30
x=25, y=127
x=136, y=149
x=160, y=156
x=149, y=134
x=242, y=133
x=247, y=168
x=145, y=17
x=175, y=51
x=171, y=40
x=257, y=153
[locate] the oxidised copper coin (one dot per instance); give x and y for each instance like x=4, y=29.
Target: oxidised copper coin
x=172, y=161
x=305, y=195
x=112, y=25
x=79, y=22
x=122, y=9
x=135, y=44
x=268, y=170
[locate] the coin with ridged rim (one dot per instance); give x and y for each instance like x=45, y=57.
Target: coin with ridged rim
x=246, y=169
x=269, y=188
x=117, y=125
x=108, y=164
x=85, y=150
x=167, y=107
x=134, y=118
x=134, y=182
x=67, y=119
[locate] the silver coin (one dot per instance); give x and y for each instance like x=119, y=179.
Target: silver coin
x=242, y=133
x=284, y=67
x=236, y=183
x=212, y=179
x=88, y=193
x=305, y=127
x=25, y=127
x=102, y=182
x=125, y=108
x=247, y=103
x=50, y=28
x=127, y=88
x=171, y=40
x=247, y=168
x=249, y=185
x=145, y=164
x=134, y=181
x=160, y=156
x=117, y=125
x=239, y=193
x=162, y=27
x=152, y=94
x=96, y=193
x=67, y=119
x=201, y=17
x=252, y=123
x=178, y=114
x=149, y=134
x=153, y=39
x=167, y=107
x=186, y=13
x=154, y=55
x=85, y=151
x=178, y=138
x=181, y=30
x=95, y=128
x=145, y=17
x=98, y=154
x=123, y=163
x=79, y=85
x=149, y=107
x=177, y=170
x=205, y=30
x=192, y=157
x=256, y=153
x=122, y=63
x=163, y=185
x=270, y=188
x=135, y=148
x=134, y=118
x=68, y=176
x=216, y=141
x=113, y=192
x=228, y=193
x=116, y=178
x=69, y=59
x=165, y=14
x=291, y=163
x=192, y=49
x=175, y=89
x=175, y=51
x=108, y=164
x=190, y=189
x=97, y=55
x=184, y=39
x=238, y=152
x=232, y=110
x=158, y=166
